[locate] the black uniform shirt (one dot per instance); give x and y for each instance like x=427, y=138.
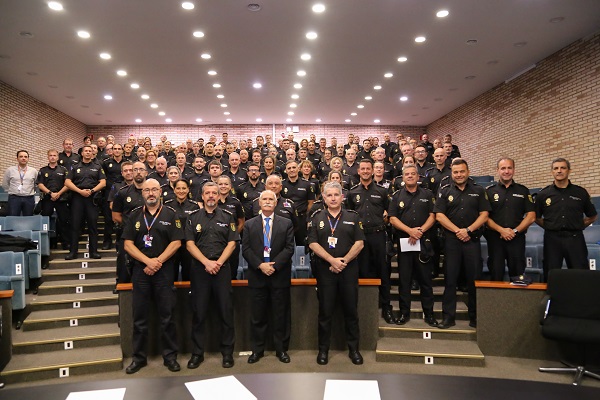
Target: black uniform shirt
x=112, y=169
x=211, y=232
x=165, y=229
x=167, y=192
x=247, y=193
x=301, y=192
x=351, y=171
x=86, y=175
x=197, y=181
x=68, y=161
x=161, y=179
x=234, y=206
x=114, y=190
x=323, y=171
x=53, y=178
x=126, y=200
x=434, y=176
x=348, y=231
x=285, y=208
x=426, y=167
x=182, y=210
x=462, y=207
x=412, y=209
x=563, y=209
x=314, y=158
x=370, y=203
x=237, y=179
x=509, y=204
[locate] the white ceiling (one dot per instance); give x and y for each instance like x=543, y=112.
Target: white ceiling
x=358, y=41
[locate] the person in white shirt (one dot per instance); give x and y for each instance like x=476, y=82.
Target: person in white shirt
x=19, y=183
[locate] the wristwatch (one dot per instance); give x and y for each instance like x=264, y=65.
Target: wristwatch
x=92, y=191
x=516, y=231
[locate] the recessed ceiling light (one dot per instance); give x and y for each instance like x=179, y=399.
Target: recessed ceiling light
x=557, y=20
x=295, y=96
x=257, y=85
x=198, y=34
x=360, y=106
x=318, y=120
x=403, y=98
x=205, y=56
x=258, y=119
x=305, y=57
x=198, y=119
x=83, y=34
x=216, y=85
x=318, y=8
x=107, y=97
x=348, y=120
x=288, y=120
x=162, y=113
x=442, y=13
x=122, y=72
x=226, y=113
x=297, y=86
x=368, y=98
x=135, y=86
x=220, y=96
x=168, y=120
x=105, y=56
x=520, y=44
x=293, y=105
x=376, y=121
x=470, y=77
x=224, y=105
x=290, y=113
x=311, y=35
x=377, y=87
x=154, y=105
x=228, y=120
x=402, y=59
x=138, y=120
x=353, y=114
x=187, y=5
x=211, y=72
x=388, y=75
x=301, y=73
x=420, y=39
x=145, y=96
x=55, y=5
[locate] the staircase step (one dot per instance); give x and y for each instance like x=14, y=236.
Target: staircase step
x=73, y=273
x=45, y=319
x=60, y=254
x=28, y=342
x=82, y=263
x=77, y=286
x=416, y=311
x=64, y=301
x=29, y=367
x=416, y=328
x=445, y=352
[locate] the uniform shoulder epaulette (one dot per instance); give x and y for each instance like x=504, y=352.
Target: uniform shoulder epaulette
x=256, y=199
x=169, y=201
x=288, y=200
x=355, y=186
x=444, y=178
x=544, y=188
x=352, y=211
x=444, y=187
x=234, y=198
x=396, y=191
x=195, y=211
x=316, y=212
x=226, y=211
x=429, y=169
x=170, y=208
x=123, y=187
x=137, y=208
x=165, y=184
x=489, y=186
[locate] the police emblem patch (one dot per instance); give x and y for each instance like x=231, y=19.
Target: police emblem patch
x=128, y=199
x=360, y=225
x=530, y=199
x=232, y=225
x=432, y=180
x=46, y=174
x=110, y=165
x=496, y=197
x=450, y=198
x=285, y=190
x=401, y=204
x=78, y=170
x=245, y=195
x=358, y=197
x=137, y=226
x=178, y=224
x=548, y=201
x=198, y=228
x=321, y=225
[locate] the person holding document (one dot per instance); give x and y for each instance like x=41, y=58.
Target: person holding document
x=411, y=214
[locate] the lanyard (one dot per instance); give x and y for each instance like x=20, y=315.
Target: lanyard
x=22, y=174
x=148, y=227
x=336, y=222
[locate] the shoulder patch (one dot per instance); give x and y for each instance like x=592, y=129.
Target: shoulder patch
x=171, y=208
x=226, y=211
x=137, y=208
x=490, y=186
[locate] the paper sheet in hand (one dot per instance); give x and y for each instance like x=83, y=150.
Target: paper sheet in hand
x=351, y=390
x=405, y=246
x=227, y=387
x=108, y=394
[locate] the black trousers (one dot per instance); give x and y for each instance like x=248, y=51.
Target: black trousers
x=300, y=234
x=372, y=262
x=567, y=245
x=461, y=256
x=160, y=288
x=123, y=267
x=275, y=301
x=64, y=217
x=409, y=268
x=330, y=288
x=84, y=209
x=501, y=252
x=215, y=288
x=108, y=222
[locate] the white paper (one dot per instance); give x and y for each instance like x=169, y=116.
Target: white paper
x=405, y=246
x=227, y=387
x=351, y=390
x=107, y=394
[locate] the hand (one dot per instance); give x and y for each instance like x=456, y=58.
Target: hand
x=85, y=192
x=267, y=268
x=54, y=196
x=412, y=241
x=415, y=233
x=212, y=267
x=338, y=264
x=149, y=271
x=507, y=234
x=334, y=270
x=463, y=235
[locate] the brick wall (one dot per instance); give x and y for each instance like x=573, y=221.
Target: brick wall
x=551, y=111
x=29, y=124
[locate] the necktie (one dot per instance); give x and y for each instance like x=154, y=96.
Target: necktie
x=267, y=241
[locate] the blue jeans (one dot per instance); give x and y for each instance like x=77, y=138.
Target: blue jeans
x=20, y=205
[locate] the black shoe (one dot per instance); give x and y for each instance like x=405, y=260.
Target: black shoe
x=106, y=245
x=322, y=358
x=95, y=256
x=414, y=285
x=355, y=357
x=446, y=323
x=19, y=325
x=135, y=366
x=173, y=365
x=462, y=289
x=283, y=357
x=429, y=320
x=388, y=316
x=403, y=319
x=255, y=357
x=227, y=361
x=473, y=322
x=71, y=256
x=195, y=361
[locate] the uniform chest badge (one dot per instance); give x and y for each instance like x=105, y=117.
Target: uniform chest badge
x=232, y=225
x=450, y=198
x=530, y=199
x=46, y=174
x=137, y=226
x=548, y=201
x=78, y=170
x=360, y=225
x=198, y=228
x=401, y=204
x=165, y=193
x=357, y=198
x=245, y=195
x=285, y=190
x=110, y=165
x=178, y=224
x=432, y=180
x=321, y=225
x=128, y=199
x=344, y=171
x=496, y=197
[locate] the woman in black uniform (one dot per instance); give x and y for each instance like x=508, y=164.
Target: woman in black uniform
x=168, y=189
x=229, y=202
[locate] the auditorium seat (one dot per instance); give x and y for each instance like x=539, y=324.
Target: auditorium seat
x=33, y=257
x=34, y=223
x=12, y=277
x=301, y=263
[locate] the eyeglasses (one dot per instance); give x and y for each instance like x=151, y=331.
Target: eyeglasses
x=139, y=169
x=153, y=190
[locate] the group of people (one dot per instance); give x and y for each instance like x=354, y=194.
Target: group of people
x=181, y=215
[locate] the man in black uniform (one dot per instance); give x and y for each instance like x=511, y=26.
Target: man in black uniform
x=421, y=160
x=302, y=193
x=112, y=169
x=160, y=172
x=411, y=213
x=285, y=207
x=67, y=158
x=211, y=237
x=249, y=191
x=85, y=181
x=152, y=235
x=336, y=237
x=371, y=202
x=512, y=213
x=51, y=182
x=462, y=209
x=559, y=209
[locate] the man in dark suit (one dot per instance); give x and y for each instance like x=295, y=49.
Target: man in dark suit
x=268, y=246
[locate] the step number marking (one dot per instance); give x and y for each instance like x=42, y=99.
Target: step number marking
x=44, y=227
x=426, y=335
x=18, y=269
x=76, y=304
x=63, y=372
x=87, y=245
x=81, y=276
x=86, y=255
x=69, y=345
x=79, y=289
x=529, y=262
x=84, y=264
x=428, y=360
x=302, y=260
x=592, y=264
x=73, y=322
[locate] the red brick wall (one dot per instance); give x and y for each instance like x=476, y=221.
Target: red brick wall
x=551, y=111
x=29, y=124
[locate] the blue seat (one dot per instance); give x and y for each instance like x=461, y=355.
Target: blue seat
x=3, y=196
x=2, y=223
x=533, y=261
x=34, y=223
x=301, y=263
x=592, y=234
x=535, y=235
x=33, y=257
x=12, y=277
x=594, y=256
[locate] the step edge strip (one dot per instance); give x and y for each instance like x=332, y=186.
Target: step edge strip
x=74, y=338
x=439, y=355
x=37, y=321
x=51, y=367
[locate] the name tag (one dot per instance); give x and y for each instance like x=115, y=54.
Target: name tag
x=332, y=242
x=148, y=241
x=267, y=252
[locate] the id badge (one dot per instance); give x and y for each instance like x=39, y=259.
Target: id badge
x=147, y=241
x=332, y=242
x=267, y=252
x=20, y=188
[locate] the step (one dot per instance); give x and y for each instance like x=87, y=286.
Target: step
x=423, y=351
x=77, y=286
x=82, y=263
x=416, y=311
x=74, y=273
x=57, y=364
x=416, y=328
x=81, y=253
x=64, y=301
x=27, y=342
x=66, y=317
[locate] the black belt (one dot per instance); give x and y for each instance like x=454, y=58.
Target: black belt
x=373, y=229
